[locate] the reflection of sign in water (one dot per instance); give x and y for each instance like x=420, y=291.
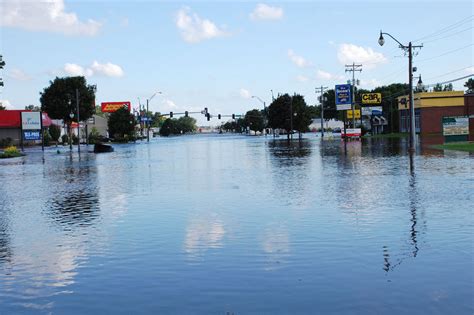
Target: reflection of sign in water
x=357, y=114
x=372, y=98
x=110, y=107
x=343, y=96
x=371, y=110
x=32, y=135
x=455, y=126
x=31, y=120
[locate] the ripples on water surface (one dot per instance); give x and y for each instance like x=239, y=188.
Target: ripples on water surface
x=244, y=225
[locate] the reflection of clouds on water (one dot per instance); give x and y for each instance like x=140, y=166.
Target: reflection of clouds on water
x=275, y=242
x=203, y=234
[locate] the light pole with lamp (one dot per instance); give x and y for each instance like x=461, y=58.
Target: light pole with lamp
x=408, y=49
x=71, y=115
x=147, y=118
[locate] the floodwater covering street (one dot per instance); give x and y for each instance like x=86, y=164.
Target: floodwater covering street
x=220, y=224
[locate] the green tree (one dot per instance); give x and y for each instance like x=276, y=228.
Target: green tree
x=289, y=110
x=438, y=87
x=254, y=120
x=121, y=124
x=448, y=87
x=98, y=111
x=470, y=86
x=59, y=98
x=169, y=127
x=157, y=120
x=55, y=132
x=33, y=108
x=2, y=107
x=186, y=124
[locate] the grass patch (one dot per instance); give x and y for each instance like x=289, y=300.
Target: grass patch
x=459, y=146
x=10, y=152
x=396, y=135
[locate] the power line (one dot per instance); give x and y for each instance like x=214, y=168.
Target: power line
x=450, y=81
x=447, y=28
x=442, y=75
x=450, y=35
x=446, y=53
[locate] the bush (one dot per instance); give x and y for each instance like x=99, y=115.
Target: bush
x=6, y=142
x=47, y=138
x=65, y=139
x=54, y=132
x=75, y=139
x=10, y=152
x=94, y=136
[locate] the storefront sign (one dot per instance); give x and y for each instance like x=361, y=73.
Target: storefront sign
x=31, y=120
x=32, y=135
x=352, y=132
x=110, y=107
x=455, y=126
x=372, y=98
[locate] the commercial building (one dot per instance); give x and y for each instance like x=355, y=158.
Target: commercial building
x=431, y=108
x=10, y=126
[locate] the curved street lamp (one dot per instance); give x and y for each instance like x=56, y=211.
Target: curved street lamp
x=147, y=118
x=408, y=49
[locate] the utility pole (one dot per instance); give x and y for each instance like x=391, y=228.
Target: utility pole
x=321, y=90
x=353, y=68
x=147, y=123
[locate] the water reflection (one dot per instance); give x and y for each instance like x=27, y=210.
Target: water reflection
x=202, y=234
x=276, y=246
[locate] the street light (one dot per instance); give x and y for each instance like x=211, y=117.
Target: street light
x=408, y=49
x=419, y=85
x=147, y=118
x=264, y=111
x=71, y=115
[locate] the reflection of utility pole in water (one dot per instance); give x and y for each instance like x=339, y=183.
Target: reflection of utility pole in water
x=353, y=70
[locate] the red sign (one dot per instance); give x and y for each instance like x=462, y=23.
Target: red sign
x=354, y=132
x=110, y=107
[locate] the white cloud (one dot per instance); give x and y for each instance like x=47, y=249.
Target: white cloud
x=245, y=94
x=298, y=60
x=19, y=75
x=194, y=29
x=323, y=75
x=470, y=70
x=47, y=16
x=6, y=103
x=349, y=53
x=266, y=12
x=106, y=69
x=372, y=83
x=302, y=78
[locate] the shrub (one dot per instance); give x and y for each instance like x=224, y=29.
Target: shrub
x=47, y=138
x=10, y=152
x=65, y=139
x=94, y=136
x=5, y=142
x=55, y=132
x=75, y=139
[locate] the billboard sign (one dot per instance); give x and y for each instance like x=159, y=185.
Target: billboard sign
x=110, y=107
x=32, y=135
x=372, y=98
x=455, y=126
x=31, y=120
x=371, y=110
x=343, y=96
x=351, y=132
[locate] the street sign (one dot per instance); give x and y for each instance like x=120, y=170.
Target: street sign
x=343, y=96
x=32, y=135
x=357, y=114
x=371, y=110
x=372, y=98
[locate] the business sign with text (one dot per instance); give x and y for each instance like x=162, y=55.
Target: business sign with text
x=32, y=135
x=372, y=98
x=343, y=97
x=110, y=107
x=30, y=120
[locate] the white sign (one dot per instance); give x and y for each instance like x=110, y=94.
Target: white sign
x=352, y=132
x=371, y=110
x=343, y=107
x=31, y=120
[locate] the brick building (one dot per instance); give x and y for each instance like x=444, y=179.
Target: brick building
x=431, y=107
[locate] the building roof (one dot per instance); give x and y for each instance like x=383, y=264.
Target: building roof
x=11, y=118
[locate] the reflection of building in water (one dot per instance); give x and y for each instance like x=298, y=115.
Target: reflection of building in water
x=203, y=234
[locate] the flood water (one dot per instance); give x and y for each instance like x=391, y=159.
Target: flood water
x=224, y=224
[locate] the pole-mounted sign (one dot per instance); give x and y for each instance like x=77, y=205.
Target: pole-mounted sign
x=31, y=125
x=343, y=97
x=372, y=98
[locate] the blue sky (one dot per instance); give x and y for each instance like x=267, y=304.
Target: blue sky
x=218, y=54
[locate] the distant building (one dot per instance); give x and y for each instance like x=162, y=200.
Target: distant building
x=10, y=125
x=328, y=124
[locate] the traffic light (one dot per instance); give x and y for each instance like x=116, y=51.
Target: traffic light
x=219, y=116
x=186, y=114
x=233, y=116
x=208, y=116
x=171, y=114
